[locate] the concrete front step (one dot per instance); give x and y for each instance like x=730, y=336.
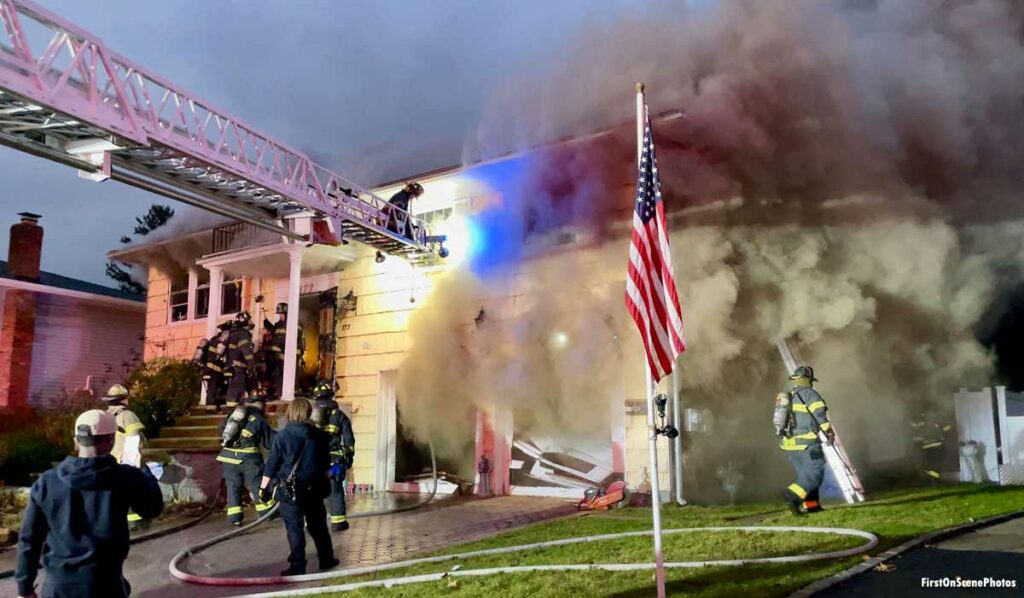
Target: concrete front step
x=199, y=420
x=190, y=432
x=184, y=442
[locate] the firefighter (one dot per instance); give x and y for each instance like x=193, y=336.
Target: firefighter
x=275, y=366
x=932, y=440
x=799, y=415
x=210, y=359
x=128, y=424
x=75, y=517
x=338, y=427
x=239, y=359
x=401, y=200
x=244, y=433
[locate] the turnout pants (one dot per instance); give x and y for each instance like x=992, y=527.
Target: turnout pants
x=244, y=475
x=213, y=381
x=238, y=377
x=275, y=374
x=337, y=499
x=809, y=465
x=932, y=461
x=308, y=509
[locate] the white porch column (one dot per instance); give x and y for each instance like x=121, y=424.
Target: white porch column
x=193, y=282
x=291, y=340
x=213, y=309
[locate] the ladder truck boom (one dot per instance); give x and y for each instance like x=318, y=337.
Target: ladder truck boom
x=70, y=99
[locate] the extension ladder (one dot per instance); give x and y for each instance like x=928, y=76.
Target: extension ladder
x=835, y=455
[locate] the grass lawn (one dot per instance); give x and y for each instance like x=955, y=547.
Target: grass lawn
x=895, y=517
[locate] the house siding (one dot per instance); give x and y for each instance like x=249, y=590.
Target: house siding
x=77, y=341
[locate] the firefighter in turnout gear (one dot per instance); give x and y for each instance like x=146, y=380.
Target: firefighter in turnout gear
x=338, y=427
x=799, y=415
x=275, y=364
x=244, y=433
x=209, y=357
x=239, y=359
x=933, y=440
x=128, y=424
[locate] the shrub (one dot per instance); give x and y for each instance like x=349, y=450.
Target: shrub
x=27, y=451
x=162, y=390
x=32, y=439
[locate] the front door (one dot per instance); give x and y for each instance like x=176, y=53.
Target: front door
x=327, y=334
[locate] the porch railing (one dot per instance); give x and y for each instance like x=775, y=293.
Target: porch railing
x=239, y=235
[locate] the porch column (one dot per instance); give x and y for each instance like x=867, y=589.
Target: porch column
x=213, y=309
x=193, y=282
x=291, y=340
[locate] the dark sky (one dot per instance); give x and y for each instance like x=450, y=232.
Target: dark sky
x=374, y=89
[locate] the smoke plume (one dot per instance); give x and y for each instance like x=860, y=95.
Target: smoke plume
x=841, y=174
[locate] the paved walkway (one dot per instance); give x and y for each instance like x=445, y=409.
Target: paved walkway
x=996, y=552
x=371, y=540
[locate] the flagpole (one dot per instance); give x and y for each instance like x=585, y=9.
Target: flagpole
x=659, y=558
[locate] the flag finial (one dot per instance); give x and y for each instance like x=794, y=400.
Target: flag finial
x=639, y=87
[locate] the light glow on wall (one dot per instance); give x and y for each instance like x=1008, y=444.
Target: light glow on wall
x=464, y=239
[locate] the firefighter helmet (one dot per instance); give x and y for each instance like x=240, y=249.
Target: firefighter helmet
x=415, y=189
x=117, y=392
x=804, y=371
x=282, y=308
x=323, y=390
x=243, y=319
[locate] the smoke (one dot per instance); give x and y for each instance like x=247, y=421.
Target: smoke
x=174, y=259
x=802, y=101
x=844, y=175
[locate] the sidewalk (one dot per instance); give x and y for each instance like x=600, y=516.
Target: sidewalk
x=371, y=540
x=996, y=552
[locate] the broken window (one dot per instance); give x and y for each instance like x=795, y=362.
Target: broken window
x=231, y=300
x=203, y=295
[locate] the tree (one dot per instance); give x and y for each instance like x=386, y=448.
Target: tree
x=153, y=219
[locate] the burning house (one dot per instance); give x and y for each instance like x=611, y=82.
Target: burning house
x=843, y=178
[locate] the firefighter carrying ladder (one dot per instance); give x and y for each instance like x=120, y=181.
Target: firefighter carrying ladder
x=835, y=455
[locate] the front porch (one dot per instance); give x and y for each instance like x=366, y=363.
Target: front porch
x=284, y=270
x=200, y=279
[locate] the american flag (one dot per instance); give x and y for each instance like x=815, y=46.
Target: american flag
x=650, y=287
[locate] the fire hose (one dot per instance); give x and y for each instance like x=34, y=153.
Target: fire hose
x=871, y=542
x=179, y=558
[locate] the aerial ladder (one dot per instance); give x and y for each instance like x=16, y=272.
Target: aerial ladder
x=66, y=97
x=835, y=455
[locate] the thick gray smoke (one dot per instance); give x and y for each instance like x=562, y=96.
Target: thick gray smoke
x=845, y=175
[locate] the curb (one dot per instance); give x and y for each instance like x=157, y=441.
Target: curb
x=942, y=534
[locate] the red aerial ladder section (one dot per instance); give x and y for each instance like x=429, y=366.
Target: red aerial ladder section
x=65, y=96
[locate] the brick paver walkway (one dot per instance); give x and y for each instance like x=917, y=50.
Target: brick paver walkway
x=370, y=541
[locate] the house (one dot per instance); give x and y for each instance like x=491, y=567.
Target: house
x=60, y=335
x=355, y=307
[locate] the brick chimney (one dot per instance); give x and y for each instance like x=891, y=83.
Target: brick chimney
x=19, y=313
x=26, y=248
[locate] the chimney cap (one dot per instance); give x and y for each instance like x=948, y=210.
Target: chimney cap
x=29, y=216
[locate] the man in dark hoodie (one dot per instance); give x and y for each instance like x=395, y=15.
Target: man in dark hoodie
x=78, y=510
